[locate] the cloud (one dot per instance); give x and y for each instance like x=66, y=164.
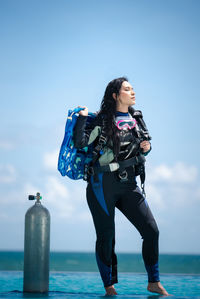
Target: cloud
x=55, y=188
x=175, y=186
x=6, y=145
x=51, y=160
x=65, y=202
x=179, y=173
x=156, y=196
x=7, y=174
x=55, y=196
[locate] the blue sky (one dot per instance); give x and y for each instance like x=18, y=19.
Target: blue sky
x=56, y=55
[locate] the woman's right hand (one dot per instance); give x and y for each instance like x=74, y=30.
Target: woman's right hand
x=83, y=112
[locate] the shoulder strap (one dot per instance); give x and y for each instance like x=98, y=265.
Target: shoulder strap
x=101, y=143
x=144, y=133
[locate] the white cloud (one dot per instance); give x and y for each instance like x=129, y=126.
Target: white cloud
x=57, y=196
x=175, y=186
x=51, y=160
x=179, y=173
x=64, y=202
x=55, y=188
x=6, y=145
x=7, y=174
x=154, y=194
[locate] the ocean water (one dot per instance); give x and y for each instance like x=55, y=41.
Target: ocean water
x=85, y=261
x=88, y=285
x=75, y=275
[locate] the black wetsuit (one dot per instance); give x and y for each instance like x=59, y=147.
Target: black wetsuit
x=106, y=192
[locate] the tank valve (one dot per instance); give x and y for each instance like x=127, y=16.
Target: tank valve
x=37, y=196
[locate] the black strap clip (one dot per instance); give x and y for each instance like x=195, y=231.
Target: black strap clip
x=123, y=175
x=88, y=171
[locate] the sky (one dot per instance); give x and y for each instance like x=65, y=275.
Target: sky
x=56, y=55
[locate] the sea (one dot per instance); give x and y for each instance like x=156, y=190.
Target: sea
x=75, y=275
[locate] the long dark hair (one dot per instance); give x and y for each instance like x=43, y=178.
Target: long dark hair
x=108, y=110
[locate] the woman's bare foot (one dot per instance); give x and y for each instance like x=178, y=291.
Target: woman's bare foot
x=110, y=291
x=156, y=287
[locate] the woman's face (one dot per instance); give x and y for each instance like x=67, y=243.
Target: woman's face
x=126, y=95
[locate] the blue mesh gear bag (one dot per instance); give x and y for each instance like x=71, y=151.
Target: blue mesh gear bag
x=72, y=161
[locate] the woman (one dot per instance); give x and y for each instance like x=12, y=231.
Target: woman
x=109, y=187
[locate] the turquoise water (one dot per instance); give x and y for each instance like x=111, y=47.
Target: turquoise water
x=86, y=262
x=75, y=275
x=88, y=285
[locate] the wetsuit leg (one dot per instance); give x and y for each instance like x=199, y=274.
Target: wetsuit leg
x=101, y=201
x=135, y=207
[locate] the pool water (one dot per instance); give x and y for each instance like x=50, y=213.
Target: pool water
x=89, y=285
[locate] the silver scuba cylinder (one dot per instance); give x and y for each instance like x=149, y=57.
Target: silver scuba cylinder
x=36, y=247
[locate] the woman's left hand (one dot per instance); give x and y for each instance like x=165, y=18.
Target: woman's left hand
x=145, y=145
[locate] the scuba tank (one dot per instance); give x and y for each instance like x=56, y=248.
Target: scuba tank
x=36, y=247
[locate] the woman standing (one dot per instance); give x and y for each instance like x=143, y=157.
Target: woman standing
x=109, y=187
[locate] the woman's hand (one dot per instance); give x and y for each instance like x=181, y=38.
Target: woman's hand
x=83, y=112
x=145, y=145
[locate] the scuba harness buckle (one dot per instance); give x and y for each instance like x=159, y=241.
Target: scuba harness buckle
x=102, y=139
x=123, y=175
